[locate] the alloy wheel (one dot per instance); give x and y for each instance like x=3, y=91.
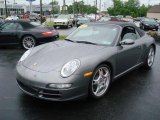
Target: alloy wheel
x=101, y=81
x=151, y=56
x=28, y=42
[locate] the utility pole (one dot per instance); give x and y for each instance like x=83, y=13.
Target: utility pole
x=64, y=7
x=6, y=9
x=100, y=4
x=41, y=11
x=52, y=6
x=96, y=10
x=73, y=8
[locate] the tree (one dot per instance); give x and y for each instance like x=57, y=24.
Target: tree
x=55, y=2
x=131, y=7
x=80, y=7
x=55, y=9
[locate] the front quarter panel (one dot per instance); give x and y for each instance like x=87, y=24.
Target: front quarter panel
x=90, y=62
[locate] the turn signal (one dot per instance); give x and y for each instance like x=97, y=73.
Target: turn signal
x=88, y=74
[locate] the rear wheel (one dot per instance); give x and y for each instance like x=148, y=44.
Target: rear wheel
x=28, y=42
x=150, y=58
x=100, y=81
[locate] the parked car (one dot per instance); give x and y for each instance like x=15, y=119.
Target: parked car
x=25, y=16
x=138, y=19
x=34, y=17
x=63, y=21
x=82, y=21
x=149, y=24
x=114, y=18
x=12, y=18
x=158, y=20
x=26, y=33
x=105, y=19
x=86, y=62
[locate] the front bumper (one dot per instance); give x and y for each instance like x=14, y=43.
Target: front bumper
x=36, y=83
x=61, y=23
x=41, y=40
x=151, y=27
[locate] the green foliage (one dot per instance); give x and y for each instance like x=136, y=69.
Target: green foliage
x=55, y=9
x=131, y=8
x=49, y=24
x=80, y=7
x=55, y=2
x=62, y=37
x=152, y=33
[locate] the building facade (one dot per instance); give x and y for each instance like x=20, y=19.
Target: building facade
x=12, y=9
x=154, y=12
x=45, y=7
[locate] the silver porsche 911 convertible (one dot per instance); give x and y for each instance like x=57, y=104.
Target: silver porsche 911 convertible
x=86, y=62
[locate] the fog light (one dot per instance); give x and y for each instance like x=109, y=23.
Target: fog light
x=60, y=85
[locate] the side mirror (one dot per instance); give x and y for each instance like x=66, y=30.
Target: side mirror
x=127, y=42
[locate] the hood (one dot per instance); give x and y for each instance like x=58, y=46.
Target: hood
x=54, y=55
x=61, y=20
x=150, y=23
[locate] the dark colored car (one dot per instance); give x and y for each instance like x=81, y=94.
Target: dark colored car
x=138, y=19
x=26, y=33
x=82, y=21
x=158, y=22
x=86, y=62
x=149, y=24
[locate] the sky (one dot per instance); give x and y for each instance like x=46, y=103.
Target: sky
x=105, y=3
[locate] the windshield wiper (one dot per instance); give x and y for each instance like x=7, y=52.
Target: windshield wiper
x=69, y=40
x=86, y=42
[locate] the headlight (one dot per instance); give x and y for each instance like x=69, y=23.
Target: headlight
x=146, y=24
x=25, y=55
x=70, y=67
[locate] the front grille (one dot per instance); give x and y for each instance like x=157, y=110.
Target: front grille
x=39, y=92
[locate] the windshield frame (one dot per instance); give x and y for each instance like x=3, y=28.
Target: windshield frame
x=114, y=40
x=64, y=17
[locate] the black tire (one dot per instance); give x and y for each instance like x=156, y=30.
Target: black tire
x=92, y=84
x=148, y=63
x=30, y=44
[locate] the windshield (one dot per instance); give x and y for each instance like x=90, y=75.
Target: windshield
x=149, y=20
x=98, y=34
x=63, y=17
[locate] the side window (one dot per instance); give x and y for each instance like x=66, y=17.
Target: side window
x=8, y=26
x=129, y=33
x=19, y=26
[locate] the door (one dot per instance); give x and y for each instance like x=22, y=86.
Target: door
x=128, y=55
x=8, y=34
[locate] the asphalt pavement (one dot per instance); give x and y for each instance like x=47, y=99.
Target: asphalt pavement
x=135, y=96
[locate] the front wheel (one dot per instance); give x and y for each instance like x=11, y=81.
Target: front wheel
x=100, y=81
x=28, y=42
x=150, y=58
